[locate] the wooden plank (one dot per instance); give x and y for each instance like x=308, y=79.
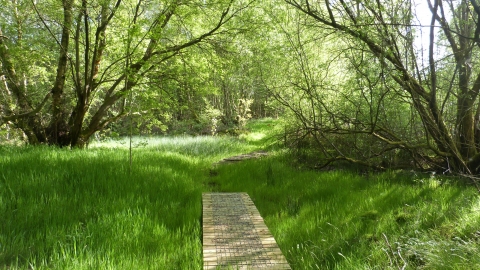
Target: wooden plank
x=235, y=235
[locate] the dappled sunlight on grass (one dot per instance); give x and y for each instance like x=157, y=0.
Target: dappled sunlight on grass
x=253, y=136
x=263, y=132
x=207, y=148
x=469, y=219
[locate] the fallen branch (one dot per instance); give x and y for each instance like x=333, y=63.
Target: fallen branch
x=351, y=160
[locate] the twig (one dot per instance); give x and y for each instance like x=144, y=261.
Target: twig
x=403, y=260
x=45, y=24
x=395, y=260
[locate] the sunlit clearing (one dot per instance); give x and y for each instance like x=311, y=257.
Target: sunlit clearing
x=139, y=141
x=254, y=136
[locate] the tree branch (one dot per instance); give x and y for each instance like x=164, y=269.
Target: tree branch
x=28, y=114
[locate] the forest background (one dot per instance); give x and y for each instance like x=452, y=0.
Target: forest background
x=350, y=78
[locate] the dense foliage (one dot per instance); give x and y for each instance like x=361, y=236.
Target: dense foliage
x=354, y=79
x=72, y=68
x=366, y=90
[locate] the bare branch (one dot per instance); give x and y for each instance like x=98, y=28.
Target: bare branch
x=44, y=23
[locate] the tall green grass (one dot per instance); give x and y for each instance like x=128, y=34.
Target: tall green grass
x=343, y=220
x=88, y=209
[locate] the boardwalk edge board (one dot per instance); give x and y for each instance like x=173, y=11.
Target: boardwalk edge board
x=235, y=235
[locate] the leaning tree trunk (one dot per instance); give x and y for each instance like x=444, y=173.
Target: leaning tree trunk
x=383, y=40
x=58, y=129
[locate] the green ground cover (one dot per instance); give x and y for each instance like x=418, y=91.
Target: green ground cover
x=88, y=209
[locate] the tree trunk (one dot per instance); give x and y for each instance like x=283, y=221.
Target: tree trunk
x=58, y=129
x=466, y=127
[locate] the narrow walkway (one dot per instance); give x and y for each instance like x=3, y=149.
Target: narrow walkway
x=242, y=157
x=235, y=236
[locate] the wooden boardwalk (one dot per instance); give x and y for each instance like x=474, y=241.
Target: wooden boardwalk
x=235, y=236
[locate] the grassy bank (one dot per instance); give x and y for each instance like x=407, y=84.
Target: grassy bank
x=339, y=220
x=88, y=209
